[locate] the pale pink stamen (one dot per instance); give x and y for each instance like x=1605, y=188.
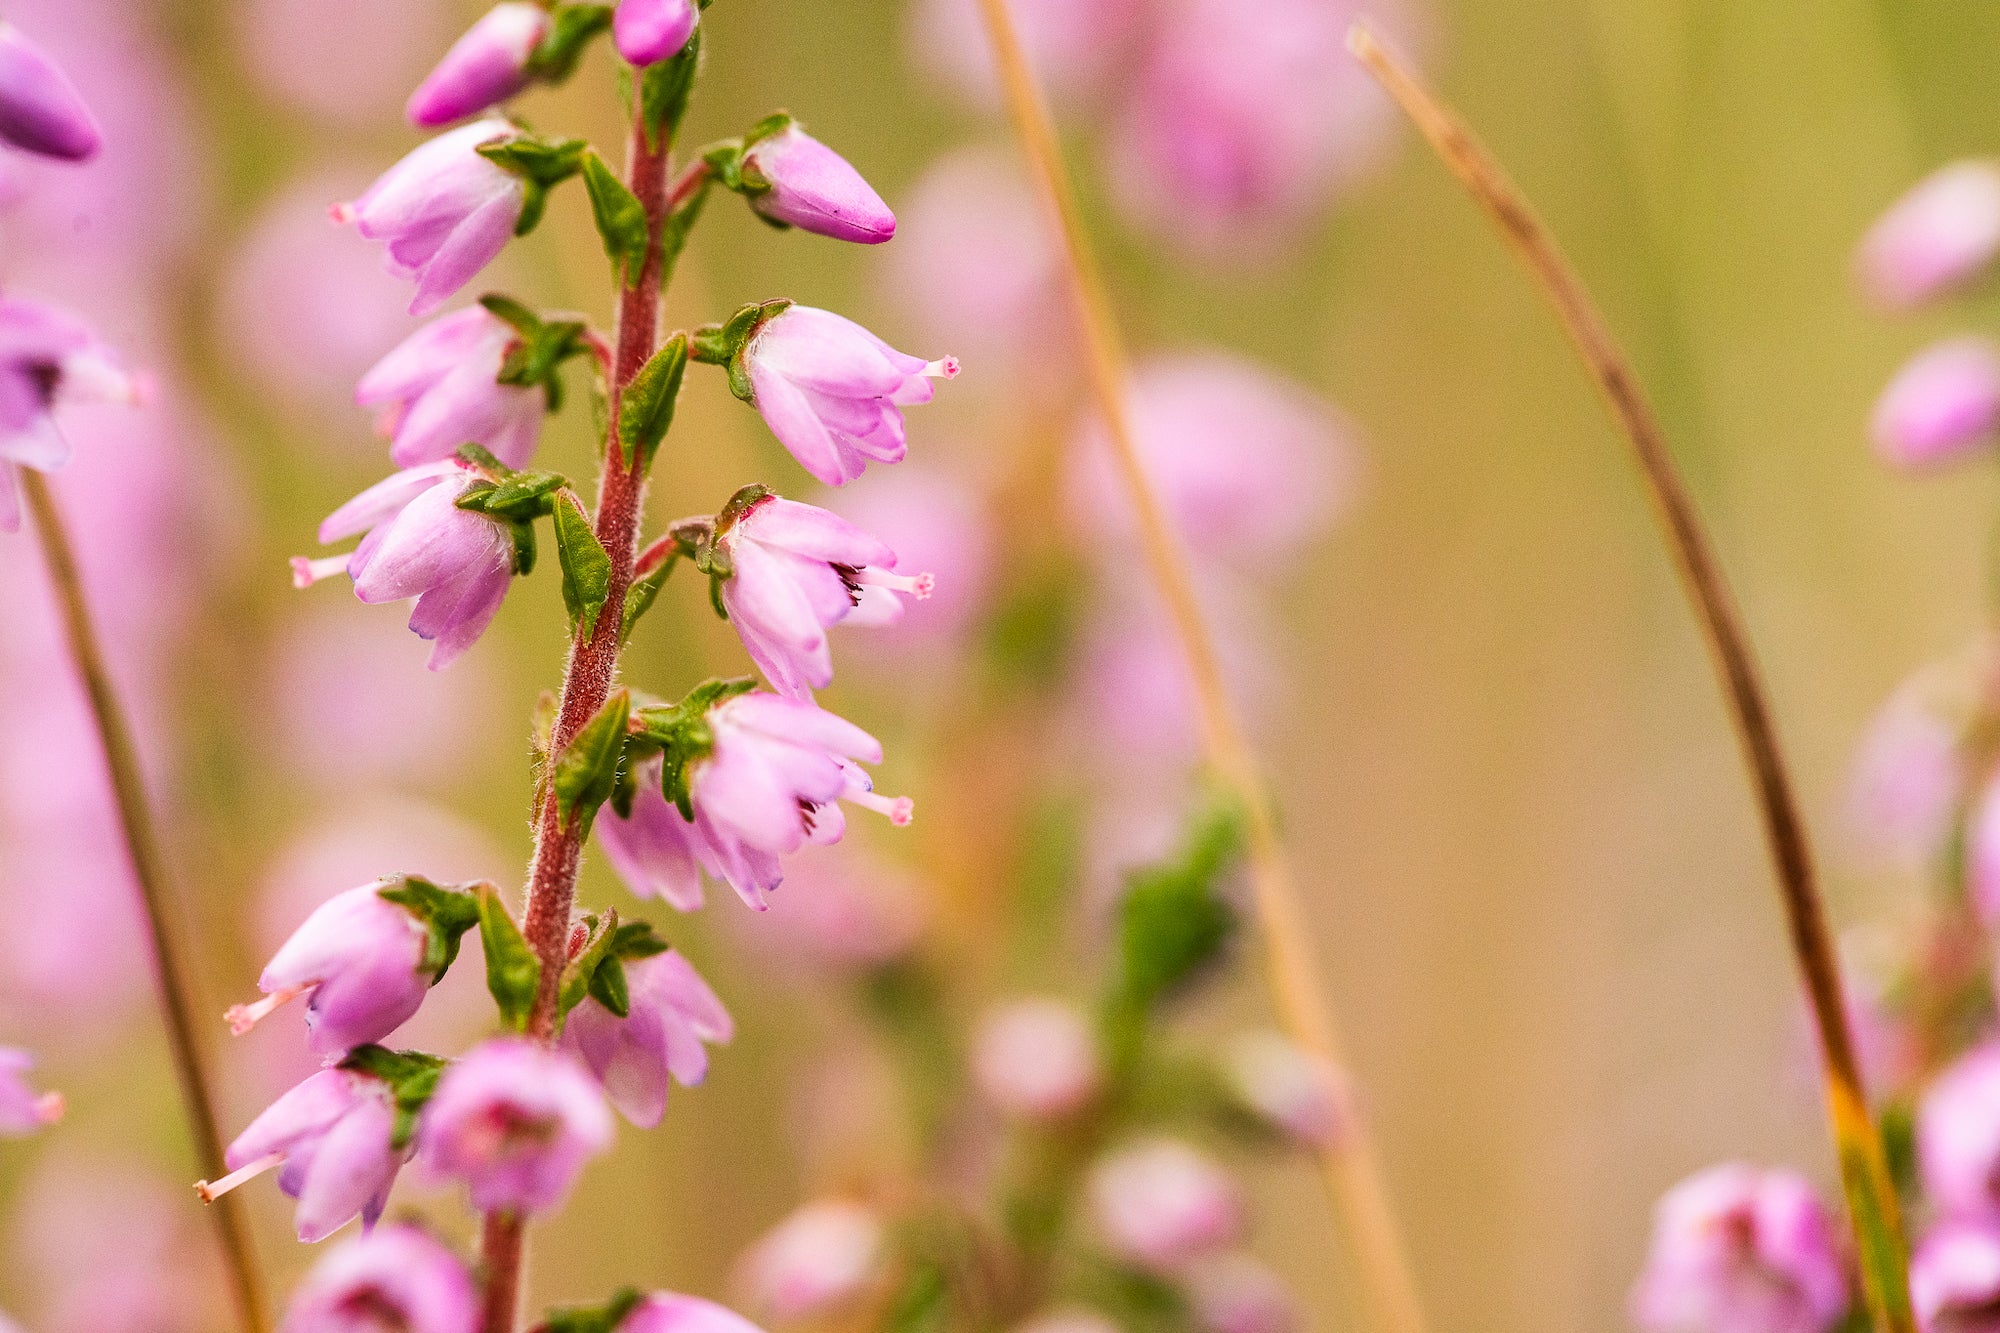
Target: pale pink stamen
x=306, y=572
x=209, y=1193
x=947, y=369
x=242, y=1017
x=900, y=809
x=920, y=586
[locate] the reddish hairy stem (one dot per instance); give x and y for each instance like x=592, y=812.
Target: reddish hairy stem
x=587, y=680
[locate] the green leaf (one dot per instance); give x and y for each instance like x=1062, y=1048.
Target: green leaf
x=586, y=568
x=524, y=547
x=537, y=356
x=924, y=1303
x=621, y=218
x=608, y=988
x=586, y=772
x=412, y=1077
x=646, y=408
x=480, y=457
x=577, y=977
x=524, y=496
x=446, y=914
x=513, y=973
x=544, y=162
x=575, y=27
x=645, y=589
x=664, y=89
x=509, y=311
x=604, y=1318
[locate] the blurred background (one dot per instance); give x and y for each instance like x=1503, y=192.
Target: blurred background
x=1510, y=790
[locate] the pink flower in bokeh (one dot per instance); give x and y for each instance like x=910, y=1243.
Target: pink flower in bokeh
x=1162, y=1205
x=1067, y=1321
x=842, y=908
x=1939, y=236
x=1955, y=1278
x=818, y=1259
x=1942, y=405
x=1909, y=769
x=22, y=1109
x=1235, y=1294
x=1073, y=45
x=667, y=1312
x=939, y=525
x=516, y=1122
x=396, y=1277
x=48, y=359
x=484, y=68
x=1293, y=1090
x=1036, y=1058
x=1982, y=853
x=1958, y=1135
x=672, y=1014
x=40, y=110
x=285, y=46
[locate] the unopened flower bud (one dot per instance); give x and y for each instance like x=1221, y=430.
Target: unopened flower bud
x=649, y=31
x=1299, y=1094
x=1938, y=237
x=815, y=1261
x=1037, y=1059
x=516, y=1121
x=800, y=182
x=395, y=1277
x=485, y=67
x=22, y=1109
x=40, y=109
x=1955, y=1277
x=360, y=960
x=1161, y=1205
x=1943, y=404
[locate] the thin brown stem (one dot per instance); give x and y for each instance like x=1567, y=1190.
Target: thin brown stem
x=1348, y=1164
x=149, y=869
x=1872, y=1200
x=588, y=677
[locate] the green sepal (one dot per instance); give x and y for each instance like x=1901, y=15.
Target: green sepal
x=523, y=535
x=445, y=913
x=646, y=408
x=575, y=27
x=621, y=218
x=645, y=589
x=579, y=976
x=513, y=973
x=541, y=164
x=664, y=90
x=604, y=1318
x=536, y=358
x=728, y=343
x=515, y=497
x=511, y=312
x=738, y=508
x=586, y=568
x=586, y=772
x=412, y=1077
x=682, y=733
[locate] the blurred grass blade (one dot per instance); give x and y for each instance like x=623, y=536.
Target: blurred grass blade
x=1871, y=1196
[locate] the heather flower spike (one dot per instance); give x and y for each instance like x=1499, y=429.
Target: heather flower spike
x=669, y=1012
x=396, y=1277
x=40, y=109
x=23, y=1110
x=365, y=958
x=832, y=392
x=515, y=1121
x=47, y=358
x=443, y=387
x=485, y=67
x=793, y=180
x=649, y=31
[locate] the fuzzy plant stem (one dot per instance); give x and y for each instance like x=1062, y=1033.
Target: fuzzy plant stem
x=588, y=677
x=1348, y=1163
x=142, y=845
x=1871, y=1195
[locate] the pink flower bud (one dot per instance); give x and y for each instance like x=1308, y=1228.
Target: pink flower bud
x=442, y=213
x=40, y=109
x=516, y=1121
x=332, y=1137
x=797, y=571
x=440, y=390
x=811, y=187
x=359, y=957
x=1233, y=1293
x=22, y=1109
x=394, y=1277
x=485, y=67
x=667, y=1312
x=457, y=564
x=833, y=393
x=1938, y=237
x=47, y=358
x=1162, y=1205
x=815, y=1261
x=672, y=1013
x=1955, y=1278
x=1958, y=1135
x=1296, y=1092
x=1037, y=1059
x=649, y=31
x=1739, y=1248
x=1943, y=404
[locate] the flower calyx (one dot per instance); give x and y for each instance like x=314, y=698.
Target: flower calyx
x=574, y=28
x=542, y=164
x=605, y=1318
x=412, y=1077
x=446, y=912
x=541, y=350
x=680, y=734
x=727, y=344
x=512, y=499
x=598, y=970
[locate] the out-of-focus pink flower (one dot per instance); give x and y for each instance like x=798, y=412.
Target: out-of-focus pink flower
x=1162, y=1205
x=1958, y=1135
x=833, y=393
x=842, y=908
x=977, y=268
x=22, y=1109
x=440, y=389
x=360, y=959
x=1942, y=405
x=331, y=1137
x=673, y=1012
x=456, y=563
x=649, y=31
x=1737, y=1249
x=285, y=48
x=1236, y=1294
x=667, y=1312
x=1037, y=1059
x=807, y=185
x=797, y=570
x=1955, y=1278
x=936, y=524
x=1067, y=1321
x=1982, y=853
x=47, y=358
x=1296, y=1092
x=1236, y=133
x=40, y=110
x=516, y=1122
x=484, y=68
x=442, y=213
x=820, y=1258
x=393, y=1277
x=1940, y=236
x=1073, y=45
x=1249, y=465
x=1909, y=771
